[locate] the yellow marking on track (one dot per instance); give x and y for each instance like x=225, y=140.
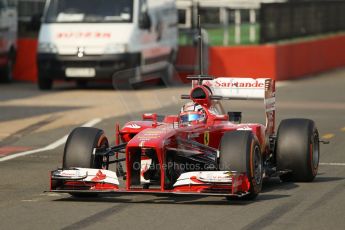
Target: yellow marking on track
x=343, y=129
x=328, y=136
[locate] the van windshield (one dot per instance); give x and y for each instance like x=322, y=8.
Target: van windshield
x=90, y=11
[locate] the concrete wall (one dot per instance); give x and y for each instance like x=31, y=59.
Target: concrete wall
x=277, y=61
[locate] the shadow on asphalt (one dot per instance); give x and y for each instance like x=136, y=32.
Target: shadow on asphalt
x=190, y=200
x=327, y=179
x=274, y=184
x=269, y=186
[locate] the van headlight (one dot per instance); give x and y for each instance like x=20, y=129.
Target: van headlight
x=47, y=48
x=115, y=48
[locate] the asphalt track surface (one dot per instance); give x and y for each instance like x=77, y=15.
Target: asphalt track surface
x=316, y=205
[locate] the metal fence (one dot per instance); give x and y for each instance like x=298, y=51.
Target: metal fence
x=296, y=19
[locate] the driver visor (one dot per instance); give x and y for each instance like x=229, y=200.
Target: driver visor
x=189, y=117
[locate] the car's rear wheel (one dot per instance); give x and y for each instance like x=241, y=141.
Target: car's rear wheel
x=79, y=149
x=298, y=150
x=240, y=151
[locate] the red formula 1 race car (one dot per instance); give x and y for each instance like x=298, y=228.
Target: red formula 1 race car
x=201, y=151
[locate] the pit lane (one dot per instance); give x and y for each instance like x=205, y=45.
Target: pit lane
x=24, y=205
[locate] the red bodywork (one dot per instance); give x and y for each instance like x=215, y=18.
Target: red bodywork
x=162, y=137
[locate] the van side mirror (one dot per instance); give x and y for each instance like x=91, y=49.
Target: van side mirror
x=35, y=22
x=145, y=21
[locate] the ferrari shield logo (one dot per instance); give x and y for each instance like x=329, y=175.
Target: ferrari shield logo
x=207, y=138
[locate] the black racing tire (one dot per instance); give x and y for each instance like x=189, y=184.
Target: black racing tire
x=79, y=149
x=45, y=83
x=298, y=150
x=80, y=146
x=240, y=151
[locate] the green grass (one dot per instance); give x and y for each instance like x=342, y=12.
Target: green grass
x=216, y=36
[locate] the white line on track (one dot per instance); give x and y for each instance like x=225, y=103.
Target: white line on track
x=332, y=164
x=52, y=146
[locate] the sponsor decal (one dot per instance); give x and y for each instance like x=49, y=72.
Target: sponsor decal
x=245, y=128
x=193, y=135
x=234, y=84
x=63, y=35
x=70, y=173
x=150, y=134
x=133, y=126
x=206, y=137
x=99, y=176
x=213, y=176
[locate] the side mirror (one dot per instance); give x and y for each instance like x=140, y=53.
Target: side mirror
x=35, y=22
x=145, y=21
x=235, y=117
x=150, y=117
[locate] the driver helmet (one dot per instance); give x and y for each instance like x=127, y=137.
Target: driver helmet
x=192, y=113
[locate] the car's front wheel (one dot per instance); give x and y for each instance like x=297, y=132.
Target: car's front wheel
x=80, y=147
x=240, y=152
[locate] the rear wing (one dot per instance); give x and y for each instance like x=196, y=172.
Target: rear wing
x=247, y=89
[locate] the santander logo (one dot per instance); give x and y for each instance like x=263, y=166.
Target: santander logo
x=234, y=84
x=66, y=35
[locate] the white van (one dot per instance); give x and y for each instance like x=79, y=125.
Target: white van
x=8, y=38
x=95, y=39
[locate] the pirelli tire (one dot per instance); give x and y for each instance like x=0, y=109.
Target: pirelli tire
x=297, y=150
x=79, y=150
x=240, y=151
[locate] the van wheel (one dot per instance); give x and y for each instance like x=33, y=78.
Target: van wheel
x=7, y=71
x=45, y=83
x=121, y=80
x=240, y=151
x=298, y=150
x=78, y=152
x=169, y=74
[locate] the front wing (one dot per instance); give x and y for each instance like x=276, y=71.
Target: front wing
x=99, y=181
